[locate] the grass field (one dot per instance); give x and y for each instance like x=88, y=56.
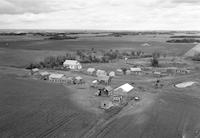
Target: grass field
x=12, y=53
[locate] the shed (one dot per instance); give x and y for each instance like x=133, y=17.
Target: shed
x=44, y=75
x=104, y=79
x=78, y=80
x=56, y=77
x=101, y=73
x=91, y=71
x=119, y=72
x=128, y=72
x=34, y=71
x=112, y=74
x=106, y=91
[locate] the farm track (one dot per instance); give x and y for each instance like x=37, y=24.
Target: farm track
x=61, y=123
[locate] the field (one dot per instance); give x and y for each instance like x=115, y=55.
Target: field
x=36, y=108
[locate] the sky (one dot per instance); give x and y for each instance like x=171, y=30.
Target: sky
x=100, y=14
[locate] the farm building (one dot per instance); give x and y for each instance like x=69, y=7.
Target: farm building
x=136, y=70
x=34, y=71
x=72, y=64
x=78, y=80
x=182, y=71
x=106, y=91
x=116, y=100
x=128, y=72
x=112, y=74
x=145, y=44
x=104, y=79
x=101, y=73
x=119, y=72
x=44, y=75
x=91, y=71
x=123, y=89
x=58, y=78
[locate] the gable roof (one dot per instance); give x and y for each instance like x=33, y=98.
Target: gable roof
x=135, y=69
x=125, y=88
x=71, y=62
x=56, y=76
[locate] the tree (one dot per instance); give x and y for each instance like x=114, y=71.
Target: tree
x=154, y=62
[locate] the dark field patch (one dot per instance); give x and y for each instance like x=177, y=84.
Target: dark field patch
x=36, y=109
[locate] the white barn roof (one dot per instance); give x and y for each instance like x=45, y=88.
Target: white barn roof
x=125, y=88
x=56, y=76
x=70, y=62
x=135, y=69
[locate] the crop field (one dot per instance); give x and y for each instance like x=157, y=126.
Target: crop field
x=36, y=109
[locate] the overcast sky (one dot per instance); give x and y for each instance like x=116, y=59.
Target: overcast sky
x=100, y=14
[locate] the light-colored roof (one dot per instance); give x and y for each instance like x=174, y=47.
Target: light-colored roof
x=43, y=73
x=70, y=62
x=35, y=69
x=135, y=69
x=90, y=69
x=125, y=88
x=108, y=88
x=56, y=76
x=112, y=73
x=119, y=70
x=146, y=44
x=185, y=84
x=78, y=78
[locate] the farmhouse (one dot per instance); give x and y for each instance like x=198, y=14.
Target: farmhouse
x=72, y=64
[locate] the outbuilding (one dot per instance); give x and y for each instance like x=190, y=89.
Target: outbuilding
x=106, y=91
x=112, y=74
x=101, y=73
x=136, y=70
x=123, y=89
x=55, y=77
x=104, y=79
x=91, y=71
